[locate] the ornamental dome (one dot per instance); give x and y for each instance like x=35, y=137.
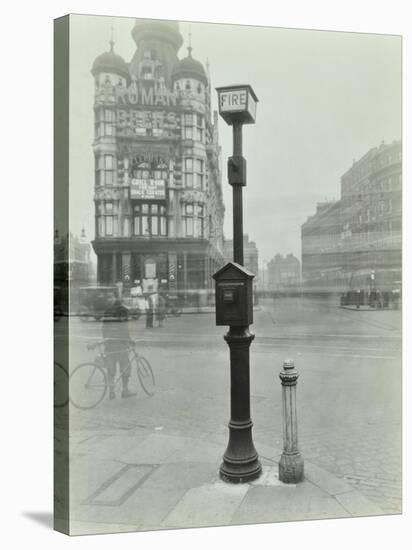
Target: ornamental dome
x=189, y=68
x=110, y=62
x=155, y=29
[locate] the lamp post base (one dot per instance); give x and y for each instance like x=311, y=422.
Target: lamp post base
x=240, y=461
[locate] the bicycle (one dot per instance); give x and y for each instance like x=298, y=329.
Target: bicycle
x=61, y=386
x=89, y=381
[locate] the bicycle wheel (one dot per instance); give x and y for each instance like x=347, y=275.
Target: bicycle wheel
x=145, y=374
x=61, y=385
x=88, y=385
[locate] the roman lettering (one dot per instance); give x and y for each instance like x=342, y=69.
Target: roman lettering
x=147, y=96
x=160, y=99
x=133, y=97
x=171, y=99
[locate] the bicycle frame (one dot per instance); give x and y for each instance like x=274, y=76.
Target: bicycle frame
x=101, y=358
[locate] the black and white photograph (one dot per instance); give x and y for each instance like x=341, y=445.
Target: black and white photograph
x=210, y=198
x=228, y=286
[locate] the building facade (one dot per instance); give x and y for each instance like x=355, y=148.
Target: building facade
x=356, y=242
x=283, y=273
x=158, y=196
x=250, y=254
x=73, y=266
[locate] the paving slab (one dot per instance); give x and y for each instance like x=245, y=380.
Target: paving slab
x=157, y=448
x=144, y=509
x=358, y=505
x=275, y=504
x=193, y=450
x=209, y=505
x=113, y=447
x=119, y=487
x=325, y=480
x=88, y=474
x=181, y=476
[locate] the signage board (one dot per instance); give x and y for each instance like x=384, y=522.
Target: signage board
x=233, y=100
x=147, y=189
x=237, y=104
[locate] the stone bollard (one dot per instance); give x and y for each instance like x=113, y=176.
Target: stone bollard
x=291, y=461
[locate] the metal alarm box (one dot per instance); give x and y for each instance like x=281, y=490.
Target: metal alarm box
x=234, y=295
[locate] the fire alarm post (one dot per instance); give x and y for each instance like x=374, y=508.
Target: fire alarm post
x=234, y=298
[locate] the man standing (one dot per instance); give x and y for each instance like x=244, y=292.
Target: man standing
x=116, y=345
x=150, y=309
x=161, y=309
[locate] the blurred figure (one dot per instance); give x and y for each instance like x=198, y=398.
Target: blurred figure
x=395, y=298
x=136, y=292
x=116, y=344
x=161, y=309
x=150, y=308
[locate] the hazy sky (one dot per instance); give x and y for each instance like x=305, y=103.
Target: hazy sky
x=325, y=98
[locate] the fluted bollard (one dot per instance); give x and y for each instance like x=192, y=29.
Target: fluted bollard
x=291, y=461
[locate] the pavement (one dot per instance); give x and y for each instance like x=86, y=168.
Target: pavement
x=367, y=308
x=153, y=463
x=150, y=479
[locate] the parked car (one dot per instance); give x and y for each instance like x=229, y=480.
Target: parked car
x=96, y=302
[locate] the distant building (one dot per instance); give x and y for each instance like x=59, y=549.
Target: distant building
x=72, y=260
x=250, y=254
x=73, y=267
x=350, y=242
x=283, y=272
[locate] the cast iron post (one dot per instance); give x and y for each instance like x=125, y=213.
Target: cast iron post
x=291, y=461
x=240, y=461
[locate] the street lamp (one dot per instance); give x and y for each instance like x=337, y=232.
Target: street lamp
x=234, y=298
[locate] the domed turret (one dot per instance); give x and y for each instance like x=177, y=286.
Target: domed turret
x=152, y=30
x=189, y=68
x=157, y=45
x=111, y=63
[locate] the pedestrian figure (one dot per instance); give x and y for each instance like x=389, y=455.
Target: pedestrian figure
x=395, y=299
x=379, y=299
x=161, y=309
x=116, y=343
x=136, y=293
x=150, y=310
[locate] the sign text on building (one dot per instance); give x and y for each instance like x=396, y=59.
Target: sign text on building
x=147, y=189
x=134, y=95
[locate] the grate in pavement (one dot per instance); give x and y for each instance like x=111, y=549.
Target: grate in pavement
x=118, y=488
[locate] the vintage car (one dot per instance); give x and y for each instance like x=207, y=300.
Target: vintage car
x=103, y=302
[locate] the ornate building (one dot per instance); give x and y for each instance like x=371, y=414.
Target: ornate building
x=356, y=242
x=158, y=196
